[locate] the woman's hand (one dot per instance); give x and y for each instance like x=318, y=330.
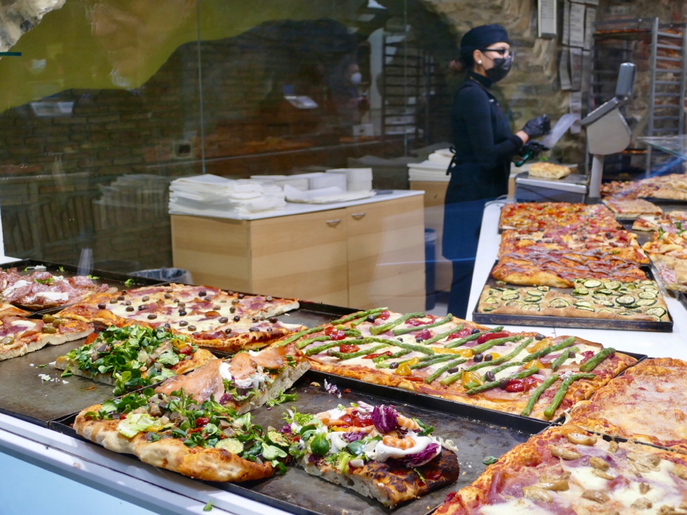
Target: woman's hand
x=537, y=127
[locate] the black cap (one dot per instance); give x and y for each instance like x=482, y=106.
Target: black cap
x=482, y=37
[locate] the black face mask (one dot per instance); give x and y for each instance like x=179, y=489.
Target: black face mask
x=500, y=70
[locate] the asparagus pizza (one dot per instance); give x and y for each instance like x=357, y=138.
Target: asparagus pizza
x=211, y=317
x=524, y=373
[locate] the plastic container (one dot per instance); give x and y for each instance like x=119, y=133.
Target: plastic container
x=173, y=275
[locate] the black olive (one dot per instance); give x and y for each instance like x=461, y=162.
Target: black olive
x=490, y=376
x=477, y=358
x=123, y=292
x=182, y=304
x=216, y=307
x=227, y=331
x=101, y=306
x=254, y=329
x=141, y=307
x=539, y=336
x=145, y=298
x=240, y=295
x=273, y=320
x=400, y=339
x=453, y=370
x=503, y=383
x=488, y=357
x=152, y=316
x=168, y=296
x=232, y=309
x=609, y=235
x=268, y=298
x=129, y=308
x=192, y=328
x=393, y=365
x=237, y=318
x=256, y=319
x=183, y=323
x=202, y=293
x=230, y=292
x=167, y=326
x=475, y=331
x=419, y=340
x=234, y=301
x=127, y=303
x=113, y=301
x=183, y=313
x=121, y=297
x=223, y=320
x=176, y=300
x=571, y=355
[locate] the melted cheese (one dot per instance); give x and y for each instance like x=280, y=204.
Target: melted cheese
x=514, y=507
x=382, y=452
x=224, y=371
x=10, y=289
x=23, y=323
x=53, y=295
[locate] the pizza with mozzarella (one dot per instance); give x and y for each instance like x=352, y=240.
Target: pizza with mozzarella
x=538, y=216
x=647, y=403
x=631, y=209
x=211, y=317
x=665, y=221
x=566, y=470
x=461, y=361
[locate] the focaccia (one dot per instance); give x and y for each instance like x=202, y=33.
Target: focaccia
x=547, y=170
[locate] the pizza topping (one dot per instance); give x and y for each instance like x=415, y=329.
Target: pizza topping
x=581, y=439
x=596, y=496
x=564, y=452
x=536, y=494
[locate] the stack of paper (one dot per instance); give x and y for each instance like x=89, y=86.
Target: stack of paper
x=210, y=195
x=324, y=195
x=357, y=179
x=433, y=169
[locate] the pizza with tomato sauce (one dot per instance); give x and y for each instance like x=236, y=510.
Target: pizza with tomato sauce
x=566, y=470
x=538, y=216
x=19, y=335
x=211, y=317
x=523, y=373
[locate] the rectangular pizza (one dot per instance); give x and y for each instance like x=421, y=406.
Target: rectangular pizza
x=647, y=403
x=588, y=298
x=537, y=216
x=631, y=209
x=665, y=221
x=211, y=317
x=523, y=373
x=566, y=470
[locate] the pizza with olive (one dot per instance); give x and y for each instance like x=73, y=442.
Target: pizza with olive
x=589, y=298
x=523, y=373
x=133, y=357
x=211, y=317
x=373, y=450
x=19, y=335
x=538, y=216
x=566, y=470
x=647, y=403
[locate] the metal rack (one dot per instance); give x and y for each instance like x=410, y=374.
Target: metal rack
x=618, y=41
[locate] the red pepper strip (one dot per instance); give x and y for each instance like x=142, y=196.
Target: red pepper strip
x=521, y=385
x=347, y=349
x=376, y=355
x=491, y=336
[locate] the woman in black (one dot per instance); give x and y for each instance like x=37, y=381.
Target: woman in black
x=484, y=147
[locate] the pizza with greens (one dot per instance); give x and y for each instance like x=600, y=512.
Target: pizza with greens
x=203, y=440
x=373, y=450
x=133, y=357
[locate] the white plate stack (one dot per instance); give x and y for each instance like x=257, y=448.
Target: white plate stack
x=298, y=182
x=433, y=169
x=357, y=179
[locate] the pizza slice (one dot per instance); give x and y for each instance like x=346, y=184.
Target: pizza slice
x=524, y=373
x=133, y=357
x=7, y=309
x=245, y=381
x=644, y=404
x=19, y=336
x=672, y=271
x=546, y=170
x=203, y=440
x=631, y=209
x=566, y=470
x=666, y=221
x=374, y=451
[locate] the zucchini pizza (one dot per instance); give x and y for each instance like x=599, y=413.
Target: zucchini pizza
x=646, y=404
x=589, y=298
x=568, y=471
x=523, y=373
x=210, y=317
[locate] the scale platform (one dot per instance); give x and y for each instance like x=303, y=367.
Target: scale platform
x=572, y=188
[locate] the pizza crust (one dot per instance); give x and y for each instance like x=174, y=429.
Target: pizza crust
x=68, y=332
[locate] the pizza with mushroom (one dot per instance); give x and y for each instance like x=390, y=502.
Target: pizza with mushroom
x=523, y=373
x=566, y=470
x=211, y=317
x=373, y=450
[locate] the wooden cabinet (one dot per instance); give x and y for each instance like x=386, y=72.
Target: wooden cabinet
x=362, y=256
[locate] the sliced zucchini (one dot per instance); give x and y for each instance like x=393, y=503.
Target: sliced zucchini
x=517, y=303
x=604, y=311
x=487, y=309
x=626, y=300
x=535, y=293
x=500, y=283
x=491, y=300
x=559, y=303
x=657, y=312
x=627, y=313
x=647, y=295
x=612, y=285
x=543, y=288
x=604, y=291
x=583, y=305
x=646, y=302
x=585, y=308
x=605, y=302
x=648, y=282
x=580, y=291
x=496, y=288
x=532, y=299
x=592, y=283
x=510, y=296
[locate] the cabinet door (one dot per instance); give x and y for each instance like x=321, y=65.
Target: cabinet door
x=386, y=255
x=303, y=256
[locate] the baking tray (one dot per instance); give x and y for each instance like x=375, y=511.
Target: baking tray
x=572, y=322
x=114, y=279
x=474, y=431
x=312, y=314
x=25, y=395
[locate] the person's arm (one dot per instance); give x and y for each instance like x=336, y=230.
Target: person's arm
x=475, y=109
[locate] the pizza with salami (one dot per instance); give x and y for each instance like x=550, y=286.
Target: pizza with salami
x=525, y=373
x=211, y=317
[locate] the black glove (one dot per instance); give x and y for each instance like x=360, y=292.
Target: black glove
x=537, y=126
x=533, y=148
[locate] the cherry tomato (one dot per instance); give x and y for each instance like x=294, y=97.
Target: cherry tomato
x=329, y=330
x=376, y=355
x=459, y=334
x=186, y=349
x=338, y=335
x=521, y=385
x=347, y=349
x=490, y=336
x=202, y=421
x=425, y=334
x=122, y=416
x=384, y=315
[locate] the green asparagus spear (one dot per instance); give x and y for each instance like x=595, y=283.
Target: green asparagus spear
x=558, y=362
x=592, y=362
x=493, y=384
x=296, y=336
x=436, y=359
x=502, y=359
x=479, y=349
x=537, y=393
x=463, y=341
x=562, y=389
x=443, y=369
x=441, y=336
x=551, y=348
x=304, y=343
x=379, y=329
x=354, y=316
x=406, y=330
x=345, y=356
